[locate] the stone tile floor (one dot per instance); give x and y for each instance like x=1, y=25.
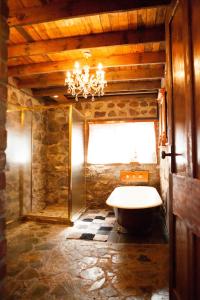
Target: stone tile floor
x=42, y=264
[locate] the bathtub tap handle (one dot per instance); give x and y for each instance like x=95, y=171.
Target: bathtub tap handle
x=164, y=154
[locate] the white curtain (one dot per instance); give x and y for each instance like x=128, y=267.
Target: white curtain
x=122, y=143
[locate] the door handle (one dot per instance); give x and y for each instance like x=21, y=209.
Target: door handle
x=164, y=154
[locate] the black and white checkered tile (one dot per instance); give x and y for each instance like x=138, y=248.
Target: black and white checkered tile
x=94, y=225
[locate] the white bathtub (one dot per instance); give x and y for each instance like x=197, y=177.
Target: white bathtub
x=135, y=206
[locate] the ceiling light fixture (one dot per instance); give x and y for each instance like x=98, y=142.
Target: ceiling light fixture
x=81, y=83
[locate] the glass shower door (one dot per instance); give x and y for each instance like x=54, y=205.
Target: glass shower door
x=78, y=184
x=18, y=164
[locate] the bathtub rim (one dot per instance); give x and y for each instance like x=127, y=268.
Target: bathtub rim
x=158, y=201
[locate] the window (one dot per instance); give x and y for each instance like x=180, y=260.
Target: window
x=122, y=143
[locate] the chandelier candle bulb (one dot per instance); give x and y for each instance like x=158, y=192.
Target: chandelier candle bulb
x=100, y=66
x=68, y=75
x=76, y=65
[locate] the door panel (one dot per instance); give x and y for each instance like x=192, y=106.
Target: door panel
x=186, y=201
x=197, y=265
x=183, y=77
x=181, y=258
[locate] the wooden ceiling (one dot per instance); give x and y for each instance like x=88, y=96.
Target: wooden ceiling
x=47, y=37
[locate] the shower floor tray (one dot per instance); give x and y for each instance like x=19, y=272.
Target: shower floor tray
x=51, y=214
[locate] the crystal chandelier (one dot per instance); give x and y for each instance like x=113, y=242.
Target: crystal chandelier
x=81, y=83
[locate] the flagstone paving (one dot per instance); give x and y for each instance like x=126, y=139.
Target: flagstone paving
x=43, y=264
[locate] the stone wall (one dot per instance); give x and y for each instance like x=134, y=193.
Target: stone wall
x=39, y=164
x=57, y=157
x=20, y=98
x=3, y=104
x=50, y=158
x=131, y=106
x=102, y=179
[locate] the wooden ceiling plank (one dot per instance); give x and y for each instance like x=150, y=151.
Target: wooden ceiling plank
x=132, y=19
x=160, y=16
x=32, y=31
x=132, y=86
x=15, y=37
x=105, y=22
x=25, y=34
x=141, y=17
x=107, y=61
x=58, y=79
x=71, y=9
x=151, y=17
x=142, y=36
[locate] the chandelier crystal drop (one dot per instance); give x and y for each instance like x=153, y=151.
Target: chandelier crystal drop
x=81, y=83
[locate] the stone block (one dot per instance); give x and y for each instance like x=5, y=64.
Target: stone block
x=2, y=227
x=2, y=248
x=99, y=105
x=122, y=113
x=3, y=93
x=3, y=9
x=143, y=103
x=2, y=111
x=3, y=50
x=4, y=28
x=78, y=106
x=3, y=139
x=2, y=203
x=133, y=112
x=2, y=181
x=99, y=114
x=153, y=103
x=144, y=112
x=111, y=105
x=3, y=71
x=112, y=113
x=121, y=104
x=134, y=103
x=153, y=111
x=2, y=160
x=2, y=270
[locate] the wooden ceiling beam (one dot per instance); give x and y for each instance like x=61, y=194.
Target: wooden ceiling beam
x=58, y=79
x=142, y=36
x=107, y=61
x=113, y=87
x=63, y=9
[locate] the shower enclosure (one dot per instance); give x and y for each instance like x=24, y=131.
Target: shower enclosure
x=45, y=164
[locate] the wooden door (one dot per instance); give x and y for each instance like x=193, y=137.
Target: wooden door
x=183, y=90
